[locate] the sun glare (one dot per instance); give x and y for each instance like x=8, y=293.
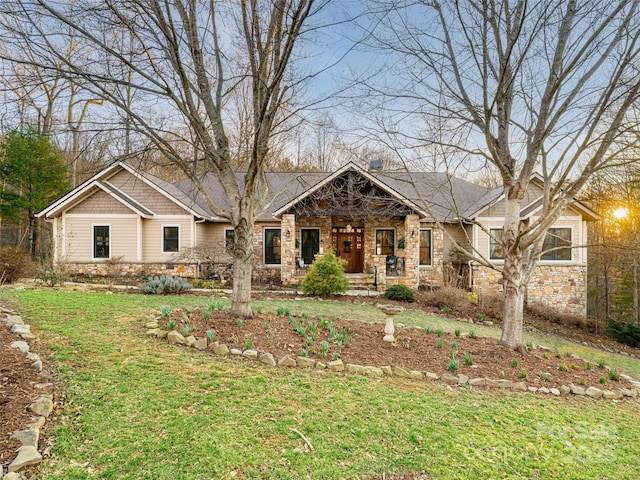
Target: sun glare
x=621, y=213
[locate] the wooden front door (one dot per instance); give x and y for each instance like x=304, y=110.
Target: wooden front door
x=349, y=246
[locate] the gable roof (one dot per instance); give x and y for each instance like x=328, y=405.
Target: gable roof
x=432, y=195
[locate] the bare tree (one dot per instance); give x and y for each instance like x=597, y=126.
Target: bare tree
x=529, y=87
x=185, y=61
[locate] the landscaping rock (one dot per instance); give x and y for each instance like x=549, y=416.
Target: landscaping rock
x=200, y=343
x=268, y=359
x=28, y=336
x=305, y=362
x=520, y=386
x=554, y=391
x=250, y=354
x=26, y=456
x=14, y=476
x=162, y=334
x=43, y=406
x=153, y=332
x=449, y=379
x=286, y=361
x=532, y=389
x=387, y=370
x=320, y=366
x=352, y=368
x=576, y=390
x=190, y=341
x=594, y=392
x=151, y=325
x=612, y=395
x=564, y=390
x=374, y=371
x=478, y=381
x=12, y=320
x=544, y=390
x=20, y=345
x=335, y=365
x=44, y=387
x=235, y=352
x=432, y=376
x=20, y=328
x=505, y=383
x=220, y=349
x=629, y=392
x=463, y=379
x=175, y=337
x=27, y=437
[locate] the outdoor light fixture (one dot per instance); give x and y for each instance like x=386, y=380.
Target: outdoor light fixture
x=288, y=233
x=413, y=233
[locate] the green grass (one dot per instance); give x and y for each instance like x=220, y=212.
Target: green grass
x=137, y=408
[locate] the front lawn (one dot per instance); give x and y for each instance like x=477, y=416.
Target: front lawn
x=137, y=408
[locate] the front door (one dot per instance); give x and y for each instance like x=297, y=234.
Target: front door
x=349, y=247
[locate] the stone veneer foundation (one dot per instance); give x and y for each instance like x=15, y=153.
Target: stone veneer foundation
x=563, y=287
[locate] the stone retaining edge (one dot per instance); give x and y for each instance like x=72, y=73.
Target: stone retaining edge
x=28, y=454
x=220, y=349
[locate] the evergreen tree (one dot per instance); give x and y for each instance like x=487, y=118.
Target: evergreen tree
x=32, y=175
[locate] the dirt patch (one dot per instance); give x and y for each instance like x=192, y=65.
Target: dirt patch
x=17, y=392
x=361, y=343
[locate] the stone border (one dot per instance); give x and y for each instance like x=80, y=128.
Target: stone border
x=220, y=349
x=28, y=454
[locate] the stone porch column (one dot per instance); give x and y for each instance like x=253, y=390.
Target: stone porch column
x=380, y=265
x=288, y=245
x=412, y=250
x=325, y=234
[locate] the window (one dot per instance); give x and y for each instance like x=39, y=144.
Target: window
x=556, y=239
x=170, y=236
x=229, y=240
x=425, y=247
x=101, y=241
x=310, y=245
x=385, y=242
x=272, y=246
x=496, y=249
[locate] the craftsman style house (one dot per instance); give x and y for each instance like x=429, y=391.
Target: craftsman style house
x=383, y=224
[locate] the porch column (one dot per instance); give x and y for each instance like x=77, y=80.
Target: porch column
x=325, y=234
x=412, y=250
x=288, y=251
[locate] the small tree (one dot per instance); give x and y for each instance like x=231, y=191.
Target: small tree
x=326, y=277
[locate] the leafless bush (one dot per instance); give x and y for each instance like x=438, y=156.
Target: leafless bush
x=15, y=263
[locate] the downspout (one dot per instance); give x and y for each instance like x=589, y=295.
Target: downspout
x=470, y=264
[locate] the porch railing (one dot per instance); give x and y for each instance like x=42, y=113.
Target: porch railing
x=395, y=266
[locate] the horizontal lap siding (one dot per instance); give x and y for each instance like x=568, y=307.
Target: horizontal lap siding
x=153, y=240
x=79, y=236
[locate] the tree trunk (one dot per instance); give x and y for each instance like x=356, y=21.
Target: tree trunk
x=635, y=290
x=242, y=268
x=513, y=313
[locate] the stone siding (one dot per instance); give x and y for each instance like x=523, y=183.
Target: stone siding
x=131, y=269
x=563, y=287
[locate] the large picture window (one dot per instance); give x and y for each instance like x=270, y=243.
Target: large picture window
x=101, y=241
x=272, y=246
x=385, y=242
x=496, y=248
x=556, y=239
x=425, y=247
x=170, y=239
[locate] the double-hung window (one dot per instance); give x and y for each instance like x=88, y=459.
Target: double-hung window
x=385, y=242
x=170, y=239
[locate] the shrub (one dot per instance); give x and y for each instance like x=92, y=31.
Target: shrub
x=624, y=332
x=400, y=292
x=325, y=277
x=165, y=285
x=14, y=264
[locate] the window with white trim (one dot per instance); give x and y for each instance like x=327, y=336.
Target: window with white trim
x=496, y=247
x=101, y=234
x=170, y=239
x=557, y=245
